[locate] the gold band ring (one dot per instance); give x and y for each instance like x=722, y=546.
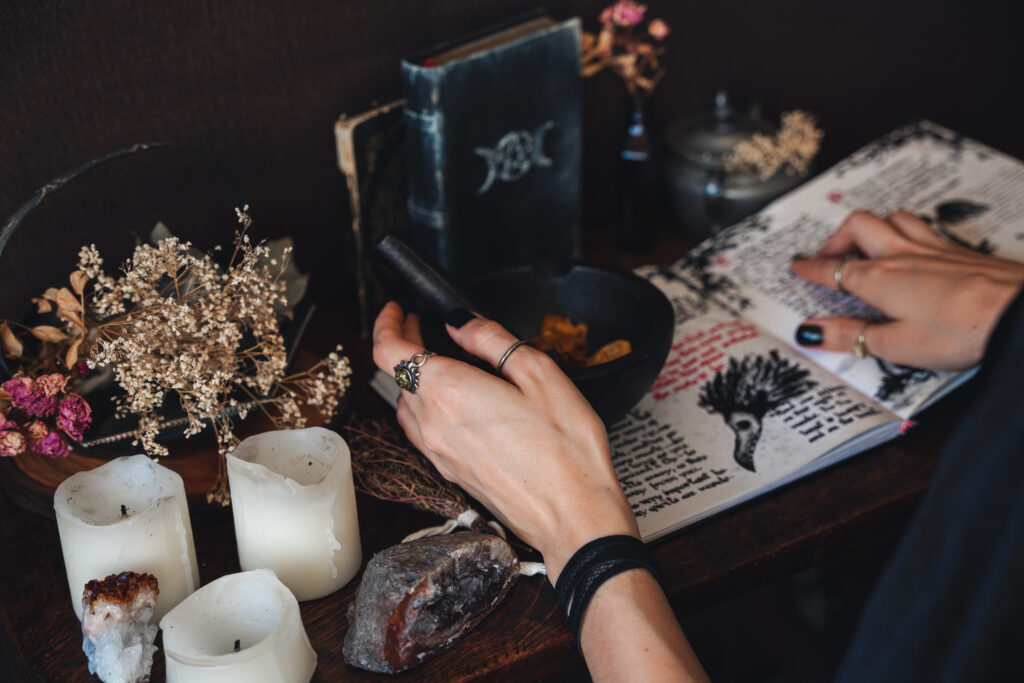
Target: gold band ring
x=860, y=346
x=837, y=274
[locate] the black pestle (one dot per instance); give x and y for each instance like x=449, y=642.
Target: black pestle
x=428, y=286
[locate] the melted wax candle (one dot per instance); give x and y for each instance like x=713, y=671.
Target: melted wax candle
x=129, y=514
x=241, y=628
x=295, y=509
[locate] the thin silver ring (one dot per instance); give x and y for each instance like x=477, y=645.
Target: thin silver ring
x=860, y=346
x=837, y=274
x=508, y=353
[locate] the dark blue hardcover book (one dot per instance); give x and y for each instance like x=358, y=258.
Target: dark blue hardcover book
x=493, y=142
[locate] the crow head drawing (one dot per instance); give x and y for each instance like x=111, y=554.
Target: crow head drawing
x=744, y=392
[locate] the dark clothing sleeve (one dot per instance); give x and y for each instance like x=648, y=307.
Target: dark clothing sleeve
x=950, y=604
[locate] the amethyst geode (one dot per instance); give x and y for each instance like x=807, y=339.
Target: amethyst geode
x=416, y=598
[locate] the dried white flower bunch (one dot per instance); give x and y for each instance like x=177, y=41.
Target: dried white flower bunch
x=792, y=149
x=175, y=322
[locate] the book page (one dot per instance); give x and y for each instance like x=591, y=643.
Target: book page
x=733, y=411
x=969, y=193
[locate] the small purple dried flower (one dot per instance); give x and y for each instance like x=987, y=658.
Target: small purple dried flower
x=12, y=443
x=18, y=389
x=25, y=394
x=35, y=431
x=74, y=416
x=627, y=13
x=52, y=445
x=52, y=384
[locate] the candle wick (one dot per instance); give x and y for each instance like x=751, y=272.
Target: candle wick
x=124, y=511
x=238, y=645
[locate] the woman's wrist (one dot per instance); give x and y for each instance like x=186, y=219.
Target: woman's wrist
x=582, y=529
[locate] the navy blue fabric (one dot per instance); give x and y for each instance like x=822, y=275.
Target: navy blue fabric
x=950, y=605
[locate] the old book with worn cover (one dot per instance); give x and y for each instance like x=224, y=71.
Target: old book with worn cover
x=493, y=143
x=371, y=155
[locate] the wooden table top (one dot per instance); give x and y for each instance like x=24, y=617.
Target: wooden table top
x=526, y=638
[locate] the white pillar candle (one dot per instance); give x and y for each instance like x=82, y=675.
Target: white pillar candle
x=253, y=610
x=295, y=509
x=129, y=514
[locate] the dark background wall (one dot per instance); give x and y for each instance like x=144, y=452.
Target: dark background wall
x=259, y=85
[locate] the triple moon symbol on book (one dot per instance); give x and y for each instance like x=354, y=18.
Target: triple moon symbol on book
x=515, y=154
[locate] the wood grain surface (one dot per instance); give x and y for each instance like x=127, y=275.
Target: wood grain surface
x=822, y=516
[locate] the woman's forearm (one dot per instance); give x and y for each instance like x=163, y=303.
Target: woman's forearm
x=630, y=633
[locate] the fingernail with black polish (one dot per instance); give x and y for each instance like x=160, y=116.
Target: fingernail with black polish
x=457, y=317
x=809, y=335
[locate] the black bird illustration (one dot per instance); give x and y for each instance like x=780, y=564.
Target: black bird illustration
x=956, y=211
x=744, y=392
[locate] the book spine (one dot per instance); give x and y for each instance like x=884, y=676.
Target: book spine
x=425, y=149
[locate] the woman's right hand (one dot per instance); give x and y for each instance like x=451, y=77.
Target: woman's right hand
x=527, y=444
x=942, y=301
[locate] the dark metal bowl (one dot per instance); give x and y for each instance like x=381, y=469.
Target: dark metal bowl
x=614, y=304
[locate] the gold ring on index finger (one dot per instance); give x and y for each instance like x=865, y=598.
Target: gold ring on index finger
x=837, y=274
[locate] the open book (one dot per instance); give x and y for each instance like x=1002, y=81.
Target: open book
x=739, y=409
x=697, y=444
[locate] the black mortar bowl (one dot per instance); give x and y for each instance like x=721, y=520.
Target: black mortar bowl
x=614, y=304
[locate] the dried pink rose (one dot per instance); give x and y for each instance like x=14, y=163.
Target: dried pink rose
x=52, y=445
x=658, y=29
x=35, y=431
x=6, y=423
x=18, y=388
x=52, y=384
x=627, y=13
x=25, y=394
x=74, y=416
x=12, y=443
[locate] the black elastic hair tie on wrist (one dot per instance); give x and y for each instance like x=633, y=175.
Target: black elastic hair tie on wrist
x=591, y=566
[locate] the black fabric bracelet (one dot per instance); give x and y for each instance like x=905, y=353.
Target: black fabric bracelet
x=591, y=566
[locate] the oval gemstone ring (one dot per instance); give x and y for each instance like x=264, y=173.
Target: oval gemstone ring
x=407, y=372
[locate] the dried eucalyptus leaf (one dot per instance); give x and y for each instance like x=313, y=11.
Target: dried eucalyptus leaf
x=50, y=294
x=48, y=333
x=68, y=301
x=78, y=281
x=71, y=357
x=42, y=305
x=13, y=347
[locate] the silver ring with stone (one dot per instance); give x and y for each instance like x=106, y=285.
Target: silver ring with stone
x=837, y=274
x=504, y=356
x=407, y=372
x=860, y=346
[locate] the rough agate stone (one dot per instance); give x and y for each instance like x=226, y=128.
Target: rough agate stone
x=117, y=635
x=416, y=598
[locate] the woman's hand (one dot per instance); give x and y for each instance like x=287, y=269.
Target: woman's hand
x=530, y=448
x=942, y=300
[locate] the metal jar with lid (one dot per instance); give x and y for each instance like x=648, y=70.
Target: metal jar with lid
x=704, y=197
